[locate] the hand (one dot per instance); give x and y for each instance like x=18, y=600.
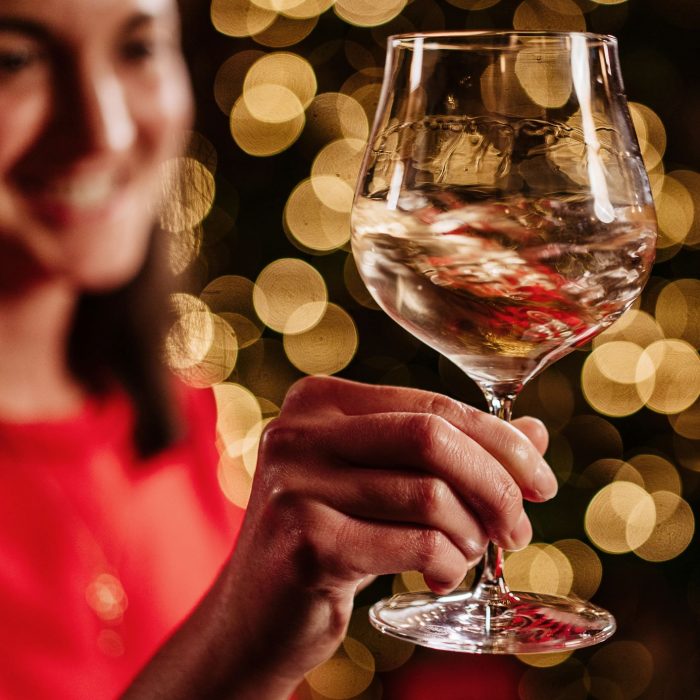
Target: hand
x=356, y=480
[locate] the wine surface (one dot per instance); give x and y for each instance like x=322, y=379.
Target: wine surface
x=501, y=287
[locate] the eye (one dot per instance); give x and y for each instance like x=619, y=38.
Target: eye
x=14, y=61
x=138, y=49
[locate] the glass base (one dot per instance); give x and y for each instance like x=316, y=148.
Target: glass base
x=490, y=620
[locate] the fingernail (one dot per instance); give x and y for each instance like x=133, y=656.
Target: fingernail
x=545, y=482
x=521, y=534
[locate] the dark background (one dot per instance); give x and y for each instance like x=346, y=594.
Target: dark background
x=657, y=604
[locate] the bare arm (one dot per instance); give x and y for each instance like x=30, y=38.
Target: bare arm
x=352, y=481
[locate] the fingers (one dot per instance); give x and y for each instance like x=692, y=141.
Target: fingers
x=535, y=432
x=508, y=445
x=423, y=443
x=403, y=497
x=389, y=548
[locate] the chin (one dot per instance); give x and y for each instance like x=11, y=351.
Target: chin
x=114, y=263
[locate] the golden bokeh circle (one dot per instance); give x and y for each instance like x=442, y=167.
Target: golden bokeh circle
x=617, y=378
x=368, y=13
x=604, y=471
x=657, y=473
x=326, y=348
x=677, y=375
x=287, y=70
x=238, y=411
x=618, y=360
x=341, y=158
x=234, y=480
x=678, y=310
x=229, y=79
x=303, y=9
x=258, y=138
x=544, y=660
x=335, y=193
x=188, y=190
x=620, y=517
x=634, y=326
x=556, y=15
x=232, y=293
x=539, y=568
x=346, y=674
x=239, y=18
x=674, y=529
x=201, y=348
x=586, y=567
x=544, y=76
x=651, y=133
x=272, y=104
x=687, y=422
x=311, y=224
x=183, y=248
x=286, y=31
x=290, y=296
x=334, y=115
x=675, y=212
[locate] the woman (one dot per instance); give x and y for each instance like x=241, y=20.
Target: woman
x=108, y=494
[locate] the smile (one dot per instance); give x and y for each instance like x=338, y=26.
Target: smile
x=78, y=199
x=82, y=193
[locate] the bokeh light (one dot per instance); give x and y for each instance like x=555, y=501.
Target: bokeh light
x=554, y=15
x=239, y=18
x=620, y=517
x=327, y=347
x=368, y=13
x=346, y=674
x=264, y=138
x=300, y=93
x=188, y=194
x=540, y=568
x=311, y=225
x=290, y=296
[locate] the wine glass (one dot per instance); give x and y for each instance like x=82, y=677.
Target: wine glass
x=503, y=216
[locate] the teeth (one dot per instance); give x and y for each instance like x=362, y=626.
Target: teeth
x=84, y=192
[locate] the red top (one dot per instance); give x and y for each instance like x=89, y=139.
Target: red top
x=102, y=554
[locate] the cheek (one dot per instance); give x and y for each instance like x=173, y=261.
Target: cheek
x=21, y=123
x=107, y=261
x=170, y=113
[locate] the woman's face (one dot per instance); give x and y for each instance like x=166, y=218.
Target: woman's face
x=94, y=96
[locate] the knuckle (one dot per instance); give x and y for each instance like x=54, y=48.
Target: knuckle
x=299, y=391
x=440, y=405
x=428, y=495
x=278, y=437
x=473, y=548
x=425, y=432
x=508, y=498
x=431, y=548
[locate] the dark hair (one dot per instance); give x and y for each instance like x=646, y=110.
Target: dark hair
x=118, y=337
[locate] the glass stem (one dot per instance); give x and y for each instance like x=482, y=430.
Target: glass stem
x=491, y=583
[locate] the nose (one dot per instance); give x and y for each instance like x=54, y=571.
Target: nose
x=98, y=116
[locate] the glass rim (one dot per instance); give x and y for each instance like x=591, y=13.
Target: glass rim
x=435, y=38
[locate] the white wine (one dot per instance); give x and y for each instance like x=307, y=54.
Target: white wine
x=501, y=287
